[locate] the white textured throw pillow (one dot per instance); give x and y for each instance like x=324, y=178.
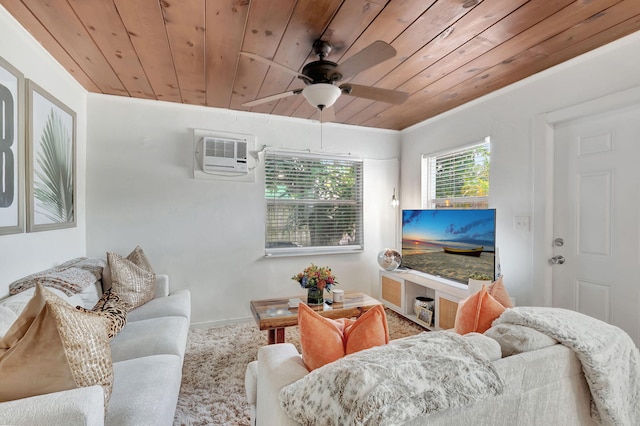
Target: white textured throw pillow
x=489, y=347
x=516, y=339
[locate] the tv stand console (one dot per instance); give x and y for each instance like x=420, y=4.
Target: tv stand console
x=399, y=289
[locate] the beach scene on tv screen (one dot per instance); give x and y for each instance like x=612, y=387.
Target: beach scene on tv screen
x=451, y=244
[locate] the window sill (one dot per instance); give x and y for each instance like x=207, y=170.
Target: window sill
x=311, y=251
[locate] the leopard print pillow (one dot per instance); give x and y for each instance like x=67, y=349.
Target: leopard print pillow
x=110, y=307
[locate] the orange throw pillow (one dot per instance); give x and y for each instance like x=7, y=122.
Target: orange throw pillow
x=367, y=331
x=499, y=292
x=477, y=312
x=324, y=340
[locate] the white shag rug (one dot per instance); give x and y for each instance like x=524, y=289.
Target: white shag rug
x=212, y=390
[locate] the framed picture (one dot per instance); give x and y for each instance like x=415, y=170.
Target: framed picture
x=12, y=138
x=51, y=167
x=425, y=315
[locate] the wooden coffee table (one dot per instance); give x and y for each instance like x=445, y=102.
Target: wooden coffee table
x=274, y=315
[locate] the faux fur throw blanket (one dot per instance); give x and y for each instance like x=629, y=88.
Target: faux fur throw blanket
x=610, y=359
x=393, y=383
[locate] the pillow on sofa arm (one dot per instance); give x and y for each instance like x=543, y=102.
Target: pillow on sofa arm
x=477, y=312
x=516, y=339
x=488, y=347
x=498, y=291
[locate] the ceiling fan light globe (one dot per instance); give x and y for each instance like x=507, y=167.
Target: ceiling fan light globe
x=321, y=95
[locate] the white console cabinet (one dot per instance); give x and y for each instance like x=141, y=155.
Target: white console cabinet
x=399, y=289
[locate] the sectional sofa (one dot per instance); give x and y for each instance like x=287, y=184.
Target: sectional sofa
x=592, y=377
x=544, y=386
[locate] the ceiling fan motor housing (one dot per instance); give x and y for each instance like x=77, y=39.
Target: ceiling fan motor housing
x=321, y=72
x=322, y=48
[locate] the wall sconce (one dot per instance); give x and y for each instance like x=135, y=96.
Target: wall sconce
x=394, y=201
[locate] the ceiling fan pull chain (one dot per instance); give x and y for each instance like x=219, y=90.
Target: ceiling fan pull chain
x=321, y=146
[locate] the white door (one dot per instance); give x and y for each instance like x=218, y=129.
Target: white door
x=597, y=216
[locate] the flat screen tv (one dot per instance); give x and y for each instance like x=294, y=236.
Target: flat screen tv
x=451, y=244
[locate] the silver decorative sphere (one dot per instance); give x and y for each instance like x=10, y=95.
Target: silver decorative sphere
x=389, y=259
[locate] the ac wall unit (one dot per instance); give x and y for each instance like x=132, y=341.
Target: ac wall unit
x=224, y=155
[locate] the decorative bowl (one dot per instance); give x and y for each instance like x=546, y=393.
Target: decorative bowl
x=389, y=259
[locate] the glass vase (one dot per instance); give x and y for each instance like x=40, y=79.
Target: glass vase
x=315, y=296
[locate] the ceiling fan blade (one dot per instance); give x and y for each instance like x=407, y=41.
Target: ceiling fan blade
x=375, y=93
x=376, y=52
x=275, y=65
x=272, y=98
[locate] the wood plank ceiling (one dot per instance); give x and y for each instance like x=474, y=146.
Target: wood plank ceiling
x=187, y=51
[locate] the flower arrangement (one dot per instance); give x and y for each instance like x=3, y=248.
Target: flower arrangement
x=316, y=277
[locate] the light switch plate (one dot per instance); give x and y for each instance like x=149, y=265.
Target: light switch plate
x=521, y=223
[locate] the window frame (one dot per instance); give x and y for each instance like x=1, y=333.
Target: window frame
x=429, y=199
x=316, y=159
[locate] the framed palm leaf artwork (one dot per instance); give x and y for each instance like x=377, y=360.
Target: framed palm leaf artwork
x=51, y=186
x=11, y=149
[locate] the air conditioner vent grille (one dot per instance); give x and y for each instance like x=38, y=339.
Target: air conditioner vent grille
x=224, y=155
x=220, y=148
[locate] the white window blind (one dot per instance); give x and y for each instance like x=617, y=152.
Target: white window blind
x=457, y=179
x=313, y=204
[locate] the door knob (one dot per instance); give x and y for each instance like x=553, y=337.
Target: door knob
x=557, y=260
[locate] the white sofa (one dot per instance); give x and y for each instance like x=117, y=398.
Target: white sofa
x=147, y=359
x=542, y=386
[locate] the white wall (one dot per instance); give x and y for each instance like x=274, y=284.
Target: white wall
x=22, y=254
x=208, y=235
x=519, y=163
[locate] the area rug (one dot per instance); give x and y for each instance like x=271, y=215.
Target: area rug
x=212, y=390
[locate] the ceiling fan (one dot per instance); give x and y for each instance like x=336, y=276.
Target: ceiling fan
x=321, y=77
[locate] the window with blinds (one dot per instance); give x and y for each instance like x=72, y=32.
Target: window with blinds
x=313, y=204
x=457, y=179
